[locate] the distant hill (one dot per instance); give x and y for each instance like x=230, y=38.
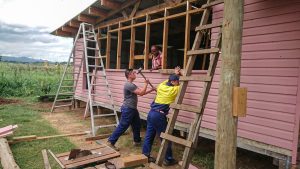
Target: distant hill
x=21, y=59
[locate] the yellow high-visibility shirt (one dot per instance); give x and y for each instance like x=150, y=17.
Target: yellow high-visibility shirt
x=166, y=94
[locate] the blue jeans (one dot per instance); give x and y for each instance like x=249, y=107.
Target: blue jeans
x=129, y=117
x=156, y=123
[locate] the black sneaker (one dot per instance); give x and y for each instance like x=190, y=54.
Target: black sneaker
x=151, y=159
x=108, y=143
x=170, y=162
x=137, y=144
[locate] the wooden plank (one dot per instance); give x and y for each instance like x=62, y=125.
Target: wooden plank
x=97, y=12
x=147, y=43
x=108, y=45
x=187, y=33
x=119, y=47
x=8, y=128
x=203, y=51
x=135, y=8
x=132, y=45
x=225, y=154
x=99, y=159
x=24, y=138
x=177, y=140
x=97, y=137
x=186, y=108
x=165, y=40
x=134, y=160
x=239, y=102
x=208, y=26
x=86, y=18
x=88, y=148
x=46, y=159
x=6, y=156
x=196, y=78
x=111, y=4
x=56, y=159
x=139, y=57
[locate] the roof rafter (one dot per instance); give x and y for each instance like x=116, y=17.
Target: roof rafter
x=74, y=23
x=63, y=33
x=110, y=4
x=69, y=29
x=86, y=18
x=97, y=12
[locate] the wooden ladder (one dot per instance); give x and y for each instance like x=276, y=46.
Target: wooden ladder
x=191, y=142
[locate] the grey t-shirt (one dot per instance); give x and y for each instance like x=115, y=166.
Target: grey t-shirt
x=130, y=98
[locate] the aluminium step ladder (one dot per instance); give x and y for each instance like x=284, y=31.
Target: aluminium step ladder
x=93, y=67
x=191, y=142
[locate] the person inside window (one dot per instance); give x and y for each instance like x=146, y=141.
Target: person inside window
x=156, y=56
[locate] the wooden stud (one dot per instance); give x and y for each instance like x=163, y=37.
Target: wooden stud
x=56, y=159
x=187, y=33
x=108, y=43
x=239, y=101
x=111, y=4
x=147, y=42
x=97, y=12
x=46, y=159
x=74, y=23
x=135, y=8
x=165, y=41
x=86, y=18
x=226, y=132
x=132, y=45
x=119, y=47
x=24, y=138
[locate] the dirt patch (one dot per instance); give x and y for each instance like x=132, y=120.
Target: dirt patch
x=7, y=101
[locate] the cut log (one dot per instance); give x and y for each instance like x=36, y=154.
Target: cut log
x=6, y=156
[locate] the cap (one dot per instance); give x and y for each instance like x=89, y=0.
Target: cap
x=173, y=77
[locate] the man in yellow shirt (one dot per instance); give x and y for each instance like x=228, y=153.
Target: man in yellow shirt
x=157, y=121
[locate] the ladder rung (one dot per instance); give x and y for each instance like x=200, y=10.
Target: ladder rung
x=67, y=86
x=94, y=57
x=88, y=32
x=91, y=40
x=62, y=100
x=155, y=166
x=67, y=93
x=216, y=2
x=196, y=78
x=203, y=51
x=91, y=48
x=186, y=108
x=65, y=105
x=208, y=26
x=104, y=126
x=177, y=140
x=104, y=115
x=95, y=66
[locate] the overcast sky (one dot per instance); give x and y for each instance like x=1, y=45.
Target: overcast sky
x=25, y=26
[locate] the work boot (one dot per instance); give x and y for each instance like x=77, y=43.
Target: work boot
x=170, y=162
x=137, y=144
x=108, y=143
x=151, y=159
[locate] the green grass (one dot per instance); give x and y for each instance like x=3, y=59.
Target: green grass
x=28, y=154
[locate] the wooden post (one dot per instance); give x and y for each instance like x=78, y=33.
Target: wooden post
x=187, y=33
x=226, y=139
x=46, y=159
x=132, y=45
x=108, y=43
x=6, y=156
x=165, y=40
x=147, y=41
x=119, y=48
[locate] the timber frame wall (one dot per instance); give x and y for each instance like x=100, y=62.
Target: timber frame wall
x=133, y=22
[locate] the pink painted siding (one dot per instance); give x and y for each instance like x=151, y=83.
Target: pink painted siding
x=270, y=71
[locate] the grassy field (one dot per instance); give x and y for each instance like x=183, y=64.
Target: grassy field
x=28, y=79
x=28, y=154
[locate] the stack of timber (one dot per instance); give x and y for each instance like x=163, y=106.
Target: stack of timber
x=8, y=130
x=6, y=156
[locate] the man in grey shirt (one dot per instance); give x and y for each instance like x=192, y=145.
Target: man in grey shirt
x=129, y=113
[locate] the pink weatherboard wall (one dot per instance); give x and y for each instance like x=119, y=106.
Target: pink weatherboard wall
x=270, y=71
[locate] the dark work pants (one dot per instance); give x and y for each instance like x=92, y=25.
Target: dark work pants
x=156, y=123
x=129, y=117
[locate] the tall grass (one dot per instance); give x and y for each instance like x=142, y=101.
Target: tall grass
x=18, y=79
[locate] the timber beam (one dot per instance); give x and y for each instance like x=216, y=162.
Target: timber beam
x=63, y=33
x=69, y=29
x=74, y=23
x=97, y=12
x=86, y=18
x=110, y=4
